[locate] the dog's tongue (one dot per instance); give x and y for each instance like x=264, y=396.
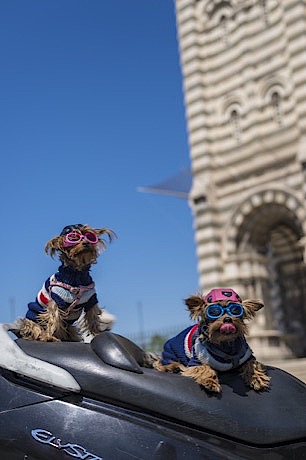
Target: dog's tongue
x=227, y=328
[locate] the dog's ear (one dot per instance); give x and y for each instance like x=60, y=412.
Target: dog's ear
x=54, y=245
x=195, y=305
x=105, y=231
x=251, y=307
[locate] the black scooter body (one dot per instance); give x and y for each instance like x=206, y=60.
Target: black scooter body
x=124, y=411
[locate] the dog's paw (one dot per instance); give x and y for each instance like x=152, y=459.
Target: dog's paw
x=254, y=375
x=205, y=376
x=173, y=368
x=149, y=359
x=260, y=381
x=210, y=384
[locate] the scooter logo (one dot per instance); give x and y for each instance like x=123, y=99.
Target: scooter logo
x=76, y=451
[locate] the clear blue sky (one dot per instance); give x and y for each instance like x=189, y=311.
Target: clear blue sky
x=92, y=108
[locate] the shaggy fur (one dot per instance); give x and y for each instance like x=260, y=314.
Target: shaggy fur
x=251, y=371
x=55, y=323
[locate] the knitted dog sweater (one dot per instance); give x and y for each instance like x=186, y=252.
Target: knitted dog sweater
x=189, y=350
x=63, y=296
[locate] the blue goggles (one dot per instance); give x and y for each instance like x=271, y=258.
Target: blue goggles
x=215, y=311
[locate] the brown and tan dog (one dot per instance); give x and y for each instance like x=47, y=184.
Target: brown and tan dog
x=217, y=343
x=69, y=293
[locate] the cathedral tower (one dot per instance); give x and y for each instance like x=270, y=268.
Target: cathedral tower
x=244, y=72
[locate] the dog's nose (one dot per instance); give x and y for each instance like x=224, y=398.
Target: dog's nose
x=227, y=319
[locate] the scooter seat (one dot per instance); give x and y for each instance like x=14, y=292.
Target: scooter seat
x=109, y=369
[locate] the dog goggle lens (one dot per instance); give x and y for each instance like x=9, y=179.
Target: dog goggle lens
x=216, y=311
x=73, y=238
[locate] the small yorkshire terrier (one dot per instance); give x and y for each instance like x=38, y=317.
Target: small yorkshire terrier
x=217, y=343
x=69, y=293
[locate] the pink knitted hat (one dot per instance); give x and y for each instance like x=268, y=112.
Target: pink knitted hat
x=216, y=295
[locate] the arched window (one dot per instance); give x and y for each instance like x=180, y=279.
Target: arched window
x=235, y=122
x=265, y=10
x=224, y=28
x=276, y=104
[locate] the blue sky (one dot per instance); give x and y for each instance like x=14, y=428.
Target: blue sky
x=92, y=108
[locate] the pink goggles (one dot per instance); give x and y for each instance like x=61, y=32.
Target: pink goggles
x=73, y=238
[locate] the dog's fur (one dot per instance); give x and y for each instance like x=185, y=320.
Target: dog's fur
x=251, y=371
x=55, y=323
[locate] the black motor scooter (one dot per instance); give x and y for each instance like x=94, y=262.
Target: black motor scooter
x=95, y=401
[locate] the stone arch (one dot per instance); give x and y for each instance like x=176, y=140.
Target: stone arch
x=276, y=196
x=271, y=84
x=212, y=11
x=267, y=230
x=231, y=103
x=218, y=8
x=231, y=114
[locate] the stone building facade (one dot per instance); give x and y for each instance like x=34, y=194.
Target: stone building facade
x=244, y=71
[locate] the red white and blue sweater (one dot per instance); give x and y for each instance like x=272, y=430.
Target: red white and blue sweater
x=63, y=296
x=188, y=349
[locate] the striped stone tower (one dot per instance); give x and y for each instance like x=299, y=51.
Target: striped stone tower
x=244, y=73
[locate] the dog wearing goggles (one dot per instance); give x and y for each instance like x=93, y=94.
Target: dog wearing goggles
x=216, y=343
x=69, y=295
